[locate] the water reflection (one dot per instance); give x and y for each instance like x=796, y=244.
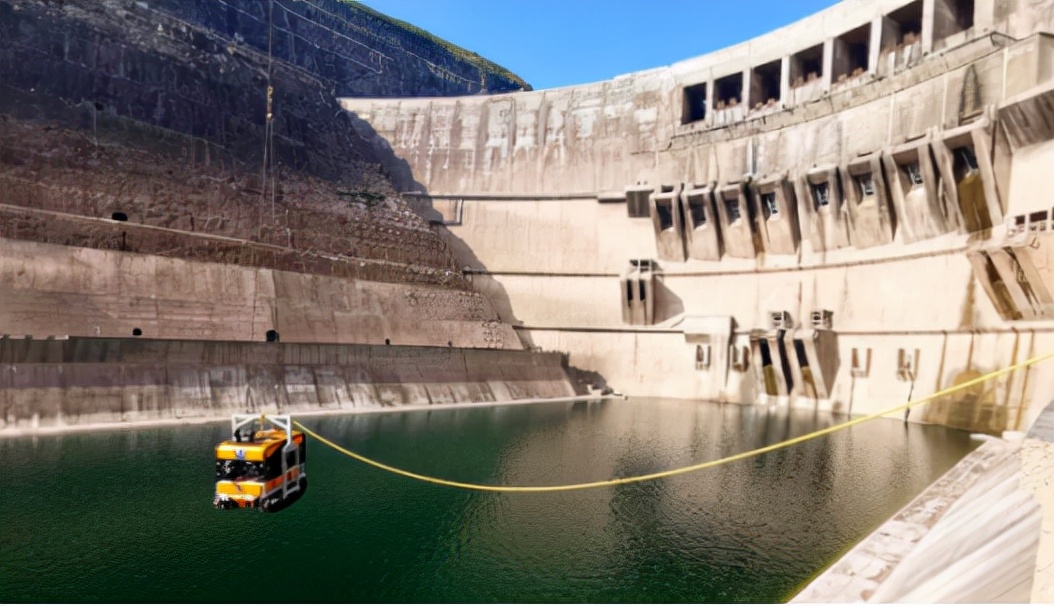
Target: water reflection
x=126, y=516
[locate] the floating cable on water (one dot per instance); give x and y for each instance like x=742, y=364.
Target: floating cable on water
x=680, y=470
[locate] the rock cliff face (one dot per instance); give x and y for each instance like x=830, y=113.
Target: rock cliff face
x=201, y=68
x=158, y=111
x=209, y=131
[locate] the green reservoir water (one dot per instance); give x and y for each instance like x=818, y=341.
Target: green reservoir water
x=126, y=516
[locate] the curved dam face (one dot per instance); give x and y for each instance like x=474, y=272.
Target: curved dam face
x=844, y=213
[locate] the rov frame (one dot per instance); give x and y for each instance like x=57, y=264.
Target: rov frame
x=289, y=487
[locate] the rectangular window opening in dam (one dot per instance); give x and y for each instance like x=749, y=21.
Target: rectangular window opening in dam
x=728, y=91
x=702, y=357
x=765, y=84
x=665, y=216
x=696, y=206
x=764, y=352
x=1038, y=220
x=821, y=194
x=694, y=108
x=637, y=202
x=781, y=347
x=851, y=51
x=913, y=172
x=806, y=66
x=732, y=205
x=799, y=352
x=951, y=17
x=866, y=184
x=905, y=26
x=964, y=162
x=769, y=205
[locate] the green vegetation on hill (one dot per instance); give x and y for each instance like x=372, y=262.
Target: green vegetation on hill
x=484, y=65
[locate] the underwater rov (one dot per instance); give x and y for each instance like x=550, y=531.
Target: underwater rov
x=262, y=465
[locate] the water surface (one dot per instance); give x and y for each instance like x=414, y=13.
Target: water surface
x=126, y=516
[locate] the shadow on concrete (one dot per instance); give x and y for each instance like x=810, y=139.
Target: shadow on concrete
x=667, y=304
x=402, y=177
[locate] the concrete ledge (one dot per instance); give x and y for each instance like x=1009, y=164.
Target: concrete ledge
x=970, y=537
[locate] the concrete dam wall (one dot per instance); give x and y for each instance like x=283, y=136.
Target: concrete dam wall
x=51, y=384
x=108, y=293
x=841, y=213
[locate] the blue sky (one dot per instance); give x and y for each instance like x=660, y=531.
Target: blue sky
x=552, y=43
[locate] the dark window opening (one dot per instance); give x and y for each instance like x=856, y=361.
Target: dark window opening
x=951, y=17
x=694, y=108
x=137, y=332
x=732, y=205
x=851, y=51
x=865, y=183
x=271, y=336
x=769, y=205
x=637, y=203
x=766, y=355
x=702, y=357
x=806, y=66
x=821, y=194
x=119, y=216
x=629, y=290
x=1037, y=219
x=387, y=341
x=913, y=172
x=643, y=290
x=698, y=213
x=788, y=378
x=765, y=84
x=665, y=215
x=907, y=25
x=728, y=91
x=799, y=352
x=964, y=161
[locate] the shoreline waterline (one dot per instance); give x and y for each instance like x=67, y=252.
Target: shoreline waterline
x=94, y=427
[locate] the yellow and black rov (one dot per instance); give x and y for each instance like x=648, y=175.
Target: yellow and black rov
x=262, y=466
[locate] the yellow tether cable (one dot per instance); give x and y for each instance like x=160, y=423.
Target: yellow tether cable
x=680, y=470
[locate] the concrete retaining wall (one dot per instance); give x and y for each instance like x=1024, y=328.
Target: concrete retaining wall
x=48, y=289
x=49, y=384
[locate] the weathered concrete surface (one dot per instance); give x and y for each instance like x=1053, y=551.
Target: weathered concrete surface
x=971, y=537
x=47, y=289
x=929, y=254
x=1037, y=466
x=605, y=136
x=76, y=381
